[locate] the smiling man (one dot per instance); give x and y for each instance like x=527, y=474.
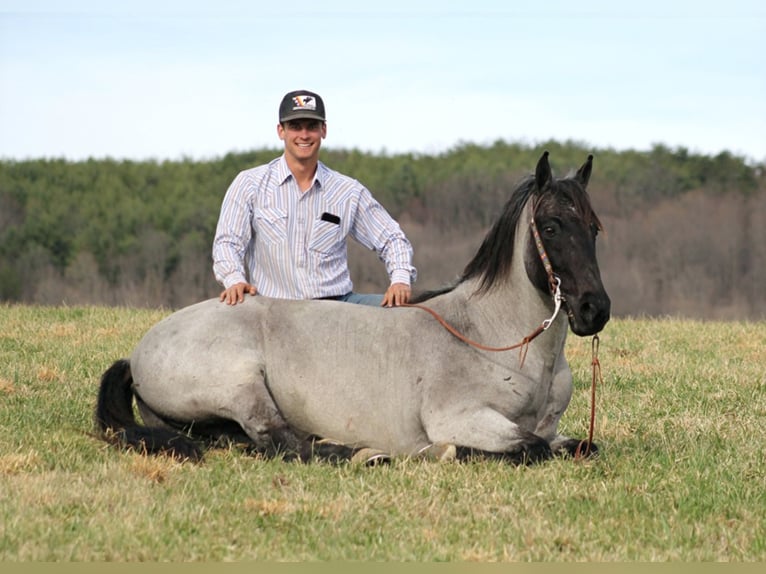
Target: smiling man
x=283, y=225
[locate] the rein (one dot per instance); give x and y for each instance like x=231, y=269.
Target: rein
x=596, y=367
x=554, y=283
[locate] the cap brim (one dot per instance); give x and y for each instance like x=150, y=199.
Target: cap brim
x=302, y=116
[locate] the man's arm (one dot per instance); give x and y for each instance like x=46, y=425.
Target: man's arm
x=232, y=237
x=376, y=229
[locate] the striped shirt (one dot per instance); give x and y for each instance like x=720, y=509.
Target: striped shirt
x=291, y=244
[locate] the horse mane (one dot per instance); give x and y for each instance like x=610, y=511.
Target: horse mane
x=492, y=261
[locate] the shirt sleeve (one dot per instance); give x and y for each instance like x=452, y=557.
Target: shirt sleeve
x=374, y=228
x=233, y=233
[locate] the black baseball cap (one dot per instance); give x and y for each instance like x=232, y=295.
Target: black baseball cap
x=301, y=104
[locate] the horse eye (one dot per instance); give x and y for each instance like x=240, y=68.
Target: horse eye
x=550, y=228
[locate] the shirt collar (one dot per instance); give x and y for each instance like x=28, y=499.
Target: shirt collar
x=283, y=171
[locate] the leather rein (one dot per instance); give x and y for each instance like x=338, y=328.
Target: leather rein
x=554, y=283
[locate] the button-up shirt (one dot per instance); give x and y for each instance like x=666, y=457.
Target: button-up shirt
x=291, y=244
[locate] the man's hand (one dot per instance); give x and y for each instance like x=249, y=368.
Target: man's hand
x=236, y=293
x=396, y=294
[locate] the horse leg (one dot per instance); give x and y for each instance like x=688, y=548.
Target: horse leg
x=260, y=418
x=562, y=445
x=255, y=411
x=558, y=400
x=150, y=418
x=529, y=451
x=213, y=432
x=254, y=419
x=277, y=438
x=487, y=433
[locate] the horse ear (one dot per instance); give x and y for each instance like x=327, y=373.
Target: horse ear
x=583, y=174
x=543, y=172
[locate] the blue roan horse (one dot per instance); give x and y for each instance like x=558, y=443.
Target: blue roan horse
x=279, y=374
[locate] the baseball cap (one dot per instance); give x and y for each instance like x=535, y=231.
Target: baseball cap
x=301, y=104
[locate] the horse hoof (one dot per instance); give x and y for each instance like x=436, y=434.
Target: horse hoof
x=576, y=449
x=535, y=451
x=370, y=457
x=440, y=452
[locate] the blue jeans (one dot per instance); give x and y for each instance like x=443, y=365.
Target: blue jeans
x=359, y=298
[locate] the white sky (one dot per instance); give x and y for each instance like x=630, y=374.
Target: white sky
x=187, y=78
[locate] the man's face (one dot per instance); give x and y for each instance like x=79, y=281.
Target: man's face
x=302, y=137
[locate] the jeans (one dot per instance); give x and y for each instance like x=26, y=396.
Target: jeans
x=359, y=298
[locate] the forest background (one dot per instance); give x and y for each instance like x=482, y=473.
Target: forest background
x=685, y=233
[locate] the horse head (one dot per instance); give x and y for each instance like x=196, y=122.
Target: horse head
x=568, y=227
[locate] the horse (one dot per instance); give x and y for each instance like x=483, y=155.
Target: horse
x=281, y=374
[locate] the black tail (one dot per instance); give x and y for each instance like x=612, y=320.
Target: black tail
x=117, y=424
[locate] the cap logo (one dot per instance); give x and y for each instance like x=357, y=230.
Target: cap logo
x=304, y=103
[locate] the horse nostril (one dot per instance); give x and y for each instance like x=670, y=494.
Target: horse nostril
x=587, y=311
x=595, y=310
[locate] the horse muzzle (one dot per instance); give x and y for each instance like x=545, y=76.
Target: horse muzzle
x=588, y=314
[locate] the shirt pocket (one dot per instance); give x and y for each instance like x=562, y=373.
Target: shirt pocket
x=271, y=225
x=325, y=236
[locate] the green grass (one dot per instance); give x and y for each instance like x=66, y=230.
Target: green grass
x=681, y=475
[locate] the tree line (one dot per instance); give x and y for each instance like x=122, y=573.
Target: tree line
x=685, y=232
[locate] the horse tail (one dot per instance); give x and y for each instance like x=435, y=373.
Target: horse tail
x=117, y=423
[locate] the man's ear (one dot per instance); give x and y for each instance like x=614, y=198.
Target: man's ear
x=280, y=131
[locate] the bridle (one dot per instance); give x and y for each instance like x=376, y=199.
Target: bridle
x=554, y=284
x=554, y=281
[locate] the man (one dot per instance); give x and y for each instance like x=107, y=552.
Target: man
x=283, y=226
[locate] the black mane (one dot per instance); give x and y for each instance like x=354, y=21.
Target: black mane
x=493, y=259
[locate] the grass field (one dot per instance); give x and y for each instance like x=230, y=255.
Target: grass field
x=681, y=475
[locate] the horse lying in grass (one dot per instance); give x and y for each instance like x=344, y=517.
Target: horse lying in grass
x=278, y=374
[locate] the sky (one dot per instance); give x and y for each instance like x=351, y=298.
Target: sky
x=178, y=79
